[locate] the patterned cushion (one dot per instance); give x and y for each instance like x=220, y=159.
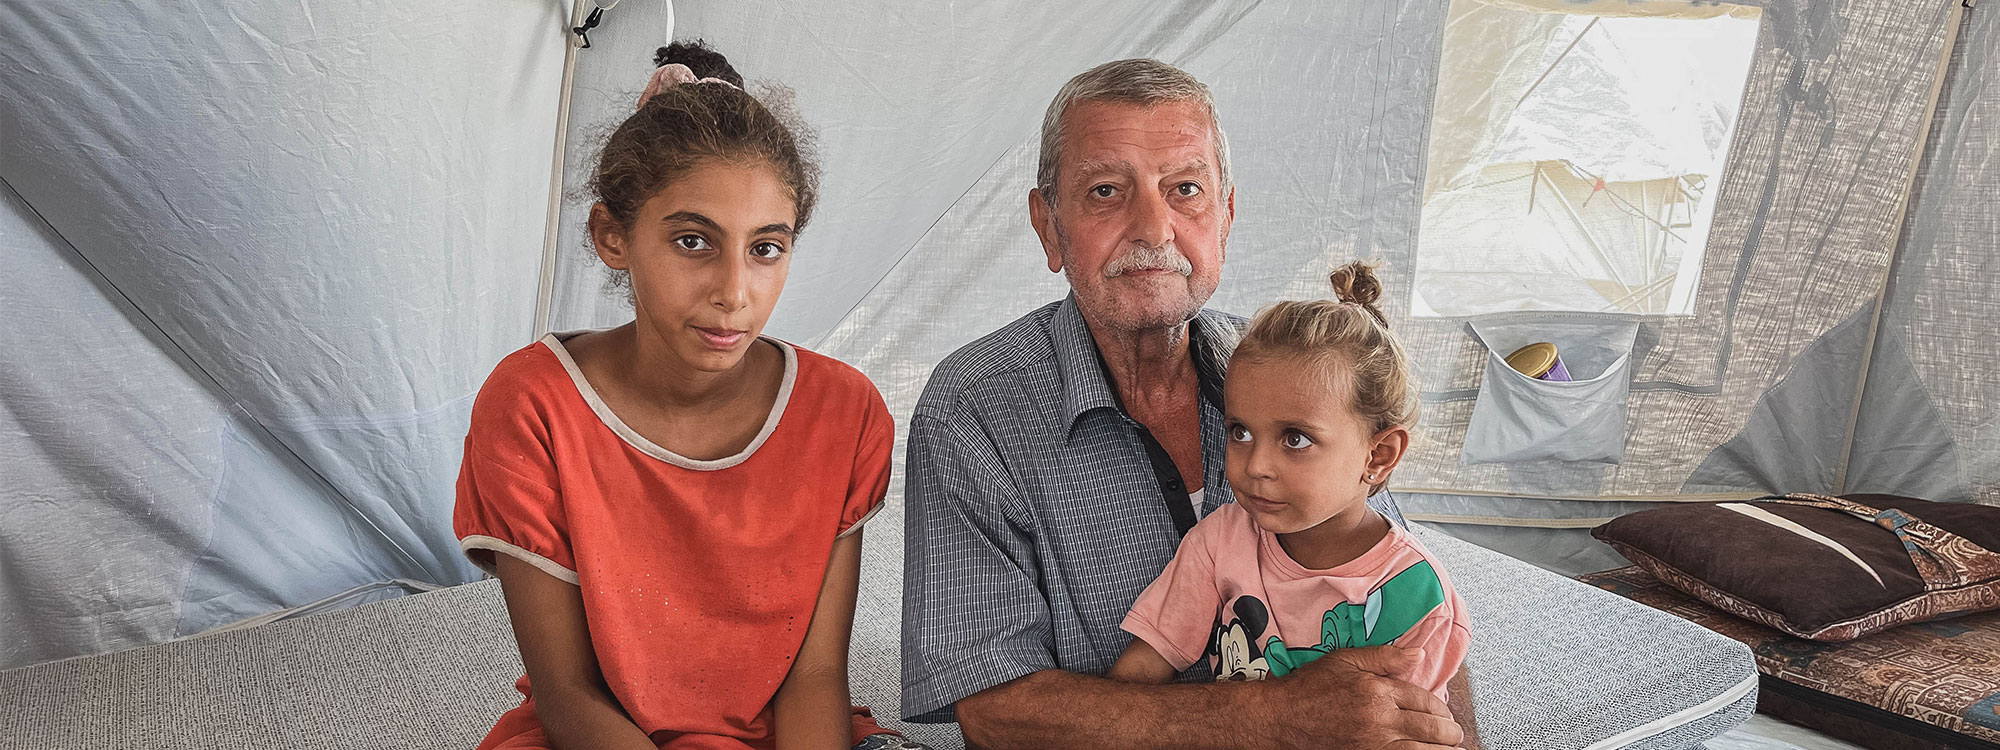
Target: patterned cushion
x=1934, y=684
x=1820, y=567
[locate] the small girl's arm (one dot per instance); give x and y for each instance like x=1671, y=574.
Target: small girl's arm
x=812, y=709
x=1445, y=638
x=1176, y=613
x=1459, y=691
x=1143, y=664
x=572, y=701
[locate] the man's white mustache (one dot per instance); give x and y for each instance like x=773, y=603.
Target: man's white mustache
x=1162, y=258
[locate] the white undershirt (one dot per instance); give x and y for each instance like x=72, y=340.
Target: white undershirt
x=1195, y=498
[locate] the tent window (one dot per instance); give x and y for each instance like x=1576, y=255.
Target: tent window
x=1575, y=159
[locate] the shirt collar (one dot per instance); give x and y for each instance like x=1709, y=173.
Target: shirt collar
x=1212, y=337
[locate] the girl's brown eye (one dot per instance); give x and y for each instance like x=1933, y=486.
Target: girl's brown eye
x=767, y=250
x=1297, y=441
x=691, y=242
x=1238, y=434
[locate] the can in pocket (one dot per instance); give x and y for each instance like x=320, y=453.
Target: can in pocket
x=1540, y=361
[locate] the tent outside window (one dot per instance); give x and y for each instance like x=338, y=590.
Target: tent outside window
x=1587, y=179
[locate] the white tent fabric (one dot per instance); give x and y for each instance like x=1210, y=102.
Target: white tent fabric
x=267, y=253
x=1929, y=422
x=1573, y=158
x=1636, y=99
x=261, y=258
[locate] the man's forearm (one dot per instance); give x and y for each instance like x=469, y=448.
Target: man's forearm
x=1053, y=708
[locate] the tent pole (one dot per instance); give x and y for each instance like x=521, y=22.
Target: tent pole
x=1956, y=11
x=552, y=223
x=1558, y=61
x=1609, y=264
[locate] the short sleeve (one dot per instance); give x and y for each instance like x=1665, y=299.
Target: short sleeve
x=507, y=502
x=1445, y=638
x=1176, y=613
x=973, y=614
x=870, y=482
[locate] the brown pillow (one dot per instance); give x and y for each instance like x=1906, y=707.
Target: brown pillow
x=1820, y=567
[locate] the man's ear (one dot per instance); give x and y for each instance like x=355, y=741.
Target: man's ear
x=608, y=238
x=1387, y=450
x=1228, y=220
x=1044, y=218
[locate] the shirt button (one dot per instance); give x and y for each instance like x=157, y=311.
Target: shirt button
x=1173, y=484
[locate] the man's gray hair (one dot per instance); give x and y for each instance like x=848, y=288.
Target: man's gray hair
x=1138, y=81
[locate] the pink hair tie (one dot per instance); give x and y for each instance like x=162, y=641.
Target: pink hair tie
x=670, y=75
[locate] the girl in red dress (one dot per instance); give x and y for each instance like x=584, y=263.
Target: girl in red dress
x=674, y=506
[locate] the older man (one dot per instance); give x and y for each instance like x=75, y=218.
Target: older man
x=1055, y=464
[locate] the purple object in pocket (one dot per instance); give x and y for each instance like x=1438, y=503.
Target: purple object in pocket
x=1556, y=372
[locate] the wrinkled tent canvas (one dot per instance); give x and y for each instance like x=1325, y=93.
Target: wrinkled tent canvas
x=261, y=258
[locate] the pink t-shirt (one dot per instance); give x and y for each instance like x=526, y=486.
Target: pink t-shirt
x=1231, y=593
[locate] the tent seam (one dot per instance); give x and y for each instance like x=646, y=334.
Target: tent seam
x=216, y=383
x=222, y=476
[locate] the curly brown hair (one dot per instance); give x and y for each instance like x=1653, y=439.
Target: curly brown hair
x=684, y=126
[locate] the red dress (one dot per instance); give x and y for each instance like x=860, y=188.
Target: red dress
x=698, y=577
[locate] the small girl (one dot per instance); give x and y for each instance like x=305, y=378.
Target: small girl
x=1317, y=406
x=674, y=506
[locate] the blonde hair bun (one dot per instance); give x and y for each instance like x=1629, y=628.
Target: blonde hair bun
x=1355, y=282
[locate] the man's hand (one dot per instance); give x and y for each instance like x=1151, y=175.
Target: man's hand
x=1343, y=700
x=1347, y=699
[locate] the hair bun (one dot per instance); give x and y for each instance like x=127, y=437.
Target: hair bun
x=1356, y=283
x=700, y=58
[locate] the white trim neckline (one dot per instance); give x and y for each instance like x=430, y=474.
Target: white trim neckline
x=554, y=341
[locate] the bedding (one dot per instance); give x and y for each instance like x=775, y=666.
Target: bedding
x=1917, y=686
x=1822, y=567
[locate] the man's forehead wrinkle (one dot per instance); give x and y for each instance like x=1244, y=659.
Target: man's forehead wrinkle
x=1169, y=108
x=1143, y=137
x=1100, y=166
x=1090, y=120
x=1193, y=153
x=1196, y=164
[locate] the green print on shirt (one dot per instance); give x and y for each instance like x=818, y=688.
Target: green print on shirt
x=1391, y=610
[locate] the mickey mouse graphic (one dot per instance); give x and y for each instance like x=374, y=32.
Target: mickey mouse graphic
x=1390, y=610
x=1235, y=645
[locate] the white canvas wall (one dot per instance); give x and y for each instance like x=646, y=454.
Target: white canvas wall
x=259, y=258
x=1930, y=422
x=264, y=254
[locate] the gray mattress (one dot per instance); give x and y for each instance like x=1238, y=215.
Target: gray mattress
x=1555, y=664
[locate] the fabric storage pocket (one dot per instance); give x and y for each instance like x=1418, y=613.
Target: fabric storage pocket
x=1520, y=419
